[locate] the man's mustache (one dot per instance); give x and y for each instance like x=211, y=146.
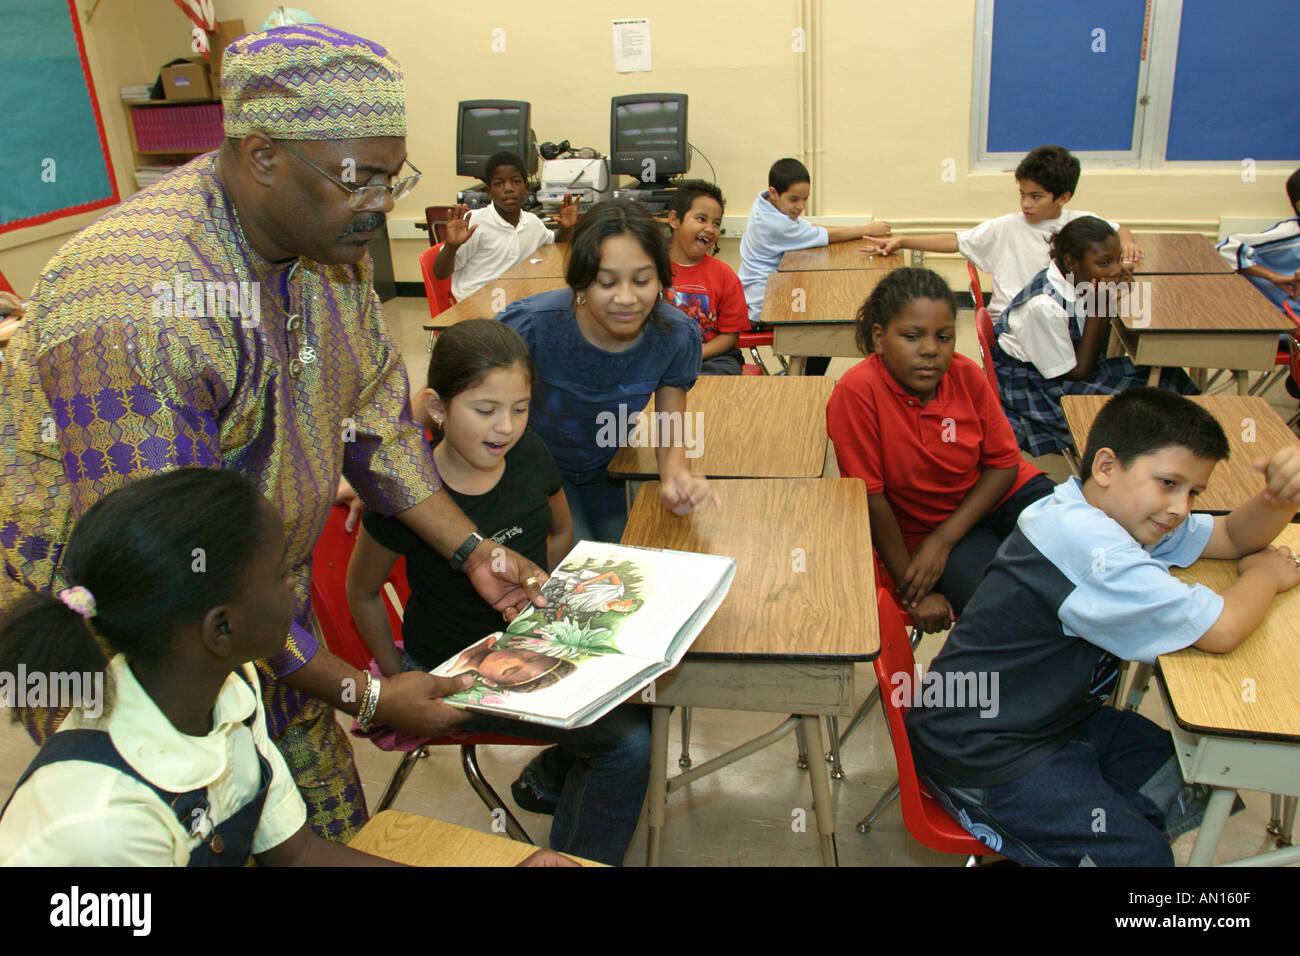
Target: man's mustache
x=370, y=222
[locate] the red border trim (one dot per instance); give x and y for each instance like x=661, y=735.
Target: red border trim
x=113, y=198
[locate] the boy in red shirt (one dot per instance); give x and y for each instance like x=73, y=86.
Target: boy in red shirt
x=706, y=288
x=923, y=428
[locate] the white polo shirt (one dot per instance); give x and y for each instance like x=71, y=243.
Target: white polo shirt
x=1038, y=329
x=75, y=813
x=1013, y=250
x=495, y=247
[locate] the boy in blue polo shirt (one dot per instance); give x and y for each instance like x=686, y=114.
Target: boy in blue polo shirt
x=1048, y=775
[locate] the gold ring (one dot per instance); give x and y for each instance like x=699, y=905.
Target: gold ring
x=530, y=582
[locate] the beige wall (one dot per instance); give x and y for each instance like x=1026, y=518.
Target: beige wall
x=896, y=83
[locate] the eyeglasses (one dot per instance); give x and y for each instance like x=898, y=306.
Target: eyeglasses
x=363, y=197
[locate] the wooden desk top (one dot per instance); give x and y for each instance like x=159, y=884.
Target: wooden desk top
x=492, y=298
x=1234, y=482
x=547, y=262
x=1207, y=690
x=1204, y=303
x=420, y=841
x=1185, y=253
x=827, y=296
x=804, y=585
x=837, y=256
x=750, y=426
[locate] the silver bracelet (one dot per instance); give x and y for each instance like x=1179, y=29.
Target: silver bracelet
x=369, y=702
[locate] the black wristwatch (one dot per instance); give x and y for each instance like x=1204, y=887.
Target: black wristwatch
x=465, y=550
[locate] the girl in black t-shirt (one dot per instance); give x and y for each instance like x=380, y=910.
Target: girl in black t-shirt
x=506, y=482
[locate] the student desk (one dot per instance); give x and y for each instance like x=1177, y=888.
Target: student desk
x=838, y=255
x=814, y=313
x=749, y=426
x=420, y=841
x=491, y=299
x=800, y=612
x=1235, y=718
x=548, y=262
x=1198, y=321
x=1178, y=253
x=1253, y=428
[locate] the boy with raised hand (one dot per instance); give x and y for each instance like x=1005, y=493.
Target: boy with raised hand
x=1043, y=772
x=1271, y=259
x=500, y=236
x=705, y=287
x=1013, y=248
x=775, y=228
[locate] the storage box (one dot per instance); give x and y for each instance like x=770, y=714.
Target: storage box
x=186, y=81
x=227, y=30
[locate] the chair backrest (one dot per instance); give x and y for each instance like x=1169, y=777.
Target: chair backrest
x=435, y=217
x=984, y=331
x=896, y=659
x=975, y=291
x=329, y=599
x=438, y=291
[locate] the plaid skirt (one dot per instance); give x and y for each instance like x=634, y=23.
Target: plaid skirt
x=1033, y=403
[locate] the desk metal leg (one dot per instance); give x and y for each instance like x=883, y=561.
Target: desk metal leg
x=657, y=792
x=796, y=366
x=1243, y=382
x=810, y=733
x=1153, y=378
x=1216, y=815
x=684, y=761
x=1138, y=688
x=833, y=755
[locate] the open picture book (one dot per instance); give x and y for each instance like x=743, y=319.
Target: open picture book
x=616, y=618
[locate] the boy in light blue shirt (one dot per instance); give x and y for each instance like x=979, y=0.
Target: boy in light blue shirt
x=1044, y=773
x=775, y=228
x=1271, y=259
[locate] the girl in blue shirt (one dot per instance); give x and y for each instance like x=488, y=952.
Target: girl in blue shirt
x=602, y=348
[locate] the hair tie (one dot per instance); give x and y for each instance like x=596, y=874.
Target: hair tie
x=80, y=600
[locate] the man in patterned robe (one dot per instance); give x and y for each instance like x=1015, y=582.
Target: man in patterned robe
x=225, y=317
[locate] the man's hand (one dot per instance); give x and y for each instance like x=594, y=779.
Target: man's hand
x=933, y=613
x=505, y=579
x=547, y=858
x=11, y=307
x=458, y=230
x=567, y=217
x=346, y=496
x=410, y=701
x=877, y=228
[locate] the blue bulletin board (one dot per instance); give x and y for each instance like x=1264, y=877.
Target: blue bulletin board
x=54, y=161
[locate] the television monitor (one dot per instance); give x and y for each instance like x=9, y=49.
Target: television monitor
x=484, y=127
x=648, y=126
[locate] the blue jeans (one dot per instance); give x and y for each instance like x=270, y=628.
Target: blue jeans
x=598, y=780
x=598, y=505
x=1111, y=796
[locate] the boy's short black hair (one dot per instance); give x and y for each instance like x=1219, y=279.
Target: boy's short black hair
x=687, y=192
x=1142, y=421
x=503, y=158
x=1052, y=167
x=785, y=173
x=1293, y=188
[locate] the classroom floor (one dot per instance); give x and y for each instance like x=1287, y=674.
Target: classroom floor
x=742, y=815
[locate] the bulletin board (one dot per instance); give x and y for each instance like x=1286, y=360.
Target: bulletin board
x=54, y=159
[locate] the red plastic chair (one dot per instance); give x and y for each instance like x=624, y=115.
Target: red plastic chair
x=975, y=292
x=334, y=618
x=984, y=331
x=1287, y=362
x=437, y=291
x=925, y=818
x=752, y=340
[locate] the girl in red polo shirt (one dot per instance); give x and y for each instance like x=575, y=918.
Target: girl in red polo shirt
x=923, y=428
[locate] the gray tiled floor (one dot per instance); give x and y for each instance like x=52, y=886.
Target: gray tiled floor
x=744, y=814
